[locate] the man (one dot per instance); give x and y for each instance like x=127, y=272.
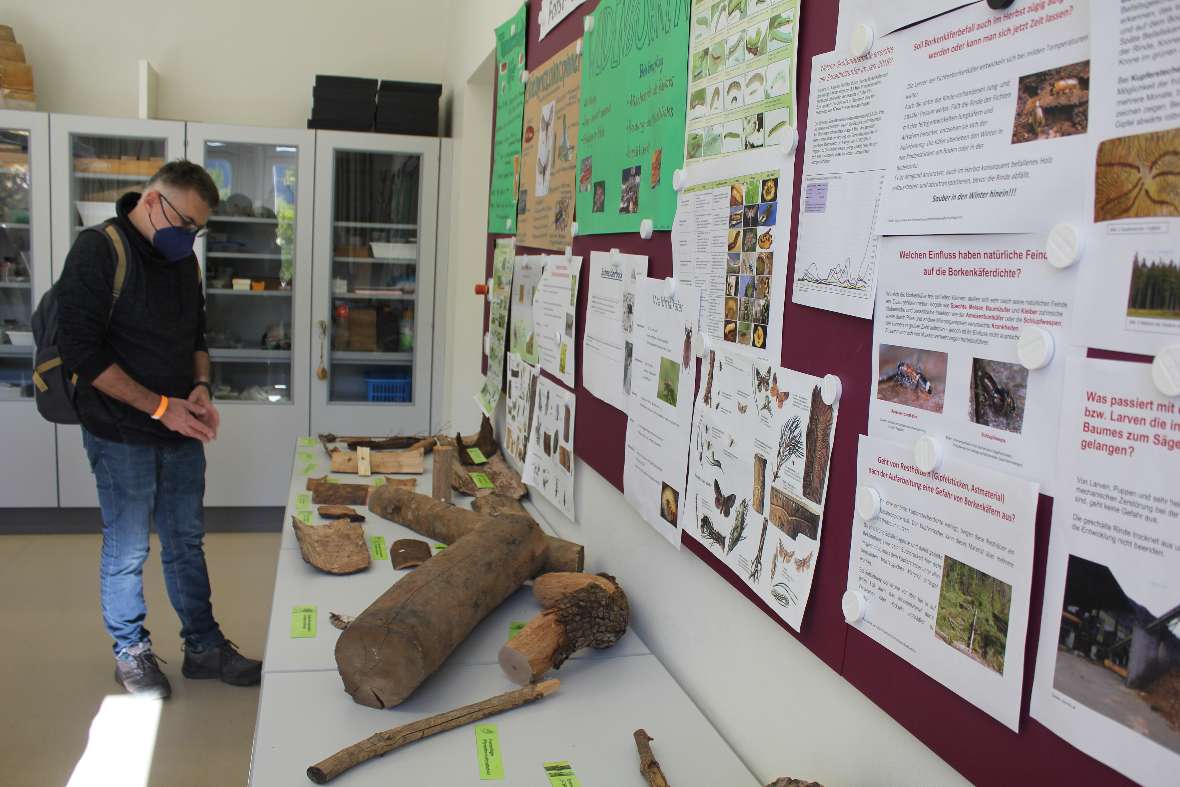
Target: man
x=143, y=399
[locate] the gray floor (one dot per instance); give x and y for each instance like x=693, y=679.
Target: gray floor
x=58, y=665
x=25, y=521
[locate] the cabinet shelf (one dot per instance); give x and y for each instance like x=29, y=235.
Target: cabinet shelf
x=13, y=225
x=112, y=176
x=16, y=351
x=241, y=220
x=227, y=355
x=258, y=293
x=374, y=225
x=372, y=359
x=245, y=255
x=356, y=296
x=379, y=260
x=15, y=285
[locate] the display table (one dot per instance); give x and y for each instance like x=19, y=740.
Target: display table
x=305, y=715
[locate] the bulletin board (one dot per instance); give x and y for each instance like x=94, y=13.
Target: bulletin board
x=820, y=342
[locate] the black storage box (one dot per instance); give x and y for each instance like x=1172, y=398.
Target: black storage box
x=408, y=108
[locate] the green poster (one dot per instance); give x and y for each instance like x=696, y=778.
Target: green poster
x=498, y=298
x=631, y=135
x=510, y=38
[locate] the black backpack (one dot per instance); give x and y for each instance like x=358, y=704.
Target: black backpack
x=54, y=386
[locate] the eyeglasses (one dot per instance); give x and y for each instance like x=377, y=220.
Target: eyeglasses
x=186, y=223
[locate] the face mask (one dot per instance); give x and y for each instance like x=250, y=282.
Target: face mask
x=174, y=243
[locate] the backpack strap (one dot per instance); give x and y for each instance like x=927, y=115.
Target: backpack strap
x=116, y=238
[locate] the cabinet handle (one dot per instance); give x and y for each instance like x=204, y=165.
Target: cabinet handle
x=321, y=371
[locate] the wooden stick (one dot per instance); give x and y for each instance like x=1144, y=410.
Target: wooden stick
x=384, y=742
x=443, y=472
x=649, y=767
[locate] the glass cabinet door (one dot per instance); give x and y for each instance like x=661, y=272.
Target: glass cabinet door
x=104, y=168
x=16, y=265
x=250, y=270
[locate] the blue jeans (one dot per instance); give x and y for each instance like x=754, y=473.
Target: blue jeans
x=136, y=485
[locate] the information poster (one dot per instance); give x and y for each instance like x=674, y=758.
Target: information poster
x=993, y=135
x=730, y=241
x=555, y=316
x=945, y=570
x=520, y=396
x=1130, y=287
x=545, y=202
x=510, y=43
x=844, y=170
x=631, y=136
x=950, y=311
x=887, y=17
x=549, y=463
x=1108, y=661
x=526, y=274
x=741, y=85
x=502, y=264
x=551, y=12
x=758, y=475
x=610, y=324
x=662, y=373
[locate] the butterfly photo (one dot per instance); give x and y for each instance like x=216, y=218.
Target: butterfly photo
x=724, y=503
x=779, y=397
x=761, y=379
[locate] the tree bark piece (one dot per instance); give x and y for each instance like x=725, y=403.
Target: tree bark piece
x=497, y=504
x=340, y=512
x=411, y=460
x=505, y=480
x=382, y=743
x=339, y=620
x=337, y=547
x=589, y=617
x=649, y=766
x=409, y=553
x=443, y=472
x=551, y=588
x=446, y=523
x=485, y=441
x=407, y=633
x=381, y=443
x=786, y=781
x=324, y=493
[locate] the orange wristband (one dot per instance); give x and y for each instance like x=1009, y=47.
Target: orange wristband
x=163, y=408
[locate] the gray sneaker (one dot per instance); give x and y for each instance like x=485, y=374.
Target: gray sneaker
x=137, y=670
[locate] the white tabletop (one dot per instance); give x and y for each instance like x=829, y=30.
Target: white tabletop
x=306, y=716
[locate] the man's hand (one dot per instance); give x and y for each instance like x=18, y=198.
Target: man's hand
x=211, y=418
x=188, y=419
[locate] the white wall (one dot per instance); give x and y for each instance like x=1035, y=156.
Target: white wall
x=250, y=62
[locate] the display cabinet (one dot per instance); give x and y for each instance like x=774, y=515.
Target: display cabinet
x=28, y=469
x=93, y=161
x=376, y=219
x=257, y=264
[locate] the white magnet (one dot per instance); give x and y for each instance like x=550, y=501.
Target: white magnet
x=1165, y=370
x=569, y=253
x=512, y=30
x=672, y=283
x=487, y=343
x=868, y=503
x=1035, y=347
x=698, y=344
x=614, y=255
x=791, y=142
x=587, y=23
x=677, y=179
x=1064, y=245
x=928, y=453
x=490, y=290
x=860, y=43
x=524, y=76
x=507, y=224
x=645, y=229
x=578, y=47
x=830, y=389
x=853, y=605
x=573, y=228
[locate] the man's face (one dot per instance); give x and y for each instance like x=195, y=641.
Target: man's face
x=180, y=208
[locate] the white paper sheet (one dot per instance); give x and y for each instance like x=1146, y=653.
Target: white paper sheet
x=945, y=570
x=992, y=137
x=758, y=472
x=521, y=394
x=737, y=204
x=659, y=413
x=949, y=312
x=610, y=318
x=526, y=273
x=555, y=316
x=549, y=464
x=1113, y=571
x=502, y=263
x=851, y=115
x=551, y=12
x=1130, y=285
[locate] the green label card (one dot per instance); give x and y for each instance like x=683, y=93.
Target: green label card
x=303, y=500
x=561, y=774
x=303, y=622
x=477, y=456
x=482, y=481
x=307, y=442
x=487, y=751
x=514, y=628
x=379, y=481
x=377, y=548
x=309, y=468
x=332, y=480
x=304, y=516
x=305, y=456
x=439, y=547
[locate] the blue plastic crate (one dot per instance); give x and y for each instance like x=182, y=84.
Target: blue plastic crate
x=387, y=386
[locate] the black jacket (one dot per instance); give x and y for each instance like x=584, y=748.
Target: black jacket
x=157, y=325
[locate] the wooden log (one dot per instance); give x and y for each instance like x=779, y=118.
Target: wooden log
x=408, y=632
x=443, y=472
x=340, y=512
x=447, y=523
x=649, y=766
x=411, y=460
x=384, y=742
x=335, y=548
x=549, y=589
x=590, y=617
